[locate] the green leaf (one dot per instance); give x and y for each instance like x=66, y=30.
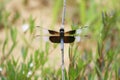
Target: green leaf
x=36, y=57
x=42, y=58
x=24, y=51
x=106, y=75
x=82, y=11
x=110, y=55
x=71, y=73
x=80, y=64
x=56, y=9
x=3, y=78
x=11, y=71
x=99, y=73
x=13, y=34
x=32, y=24
x=4, y=45
x=47, y=47
x=12, y=48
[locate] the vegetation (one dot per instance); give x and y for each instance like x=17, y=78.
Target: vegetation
x=96, y=58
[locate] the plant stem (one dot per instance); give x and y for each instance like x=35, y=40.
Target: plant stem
x=63, y=14
x=62, y=40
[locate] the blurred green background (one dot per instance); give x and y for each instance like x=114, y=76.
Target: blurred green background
x=22, y=57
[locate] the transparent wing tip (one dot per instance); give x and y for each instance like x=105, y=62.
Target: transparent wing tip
x=77, y=39
x=78, y=31
x=46, y=39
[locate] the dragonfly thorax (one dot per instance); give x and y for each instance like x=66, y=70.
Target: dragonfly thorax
x=61, y=33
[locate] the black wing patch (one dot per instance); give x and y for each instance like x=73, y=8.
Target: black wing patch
x=53, y=32
x=67, y=39
x=70, y=32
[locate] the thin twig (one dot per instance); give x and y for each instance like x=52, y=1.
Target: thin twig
x=63, y=14
x=62, y=41
x=63, y=67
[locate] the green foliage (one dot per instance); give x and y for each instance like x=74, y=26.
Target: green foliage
x=102, y=63
x=32, y=24
x=24, y=52
x=56, y=10
x=14, y=34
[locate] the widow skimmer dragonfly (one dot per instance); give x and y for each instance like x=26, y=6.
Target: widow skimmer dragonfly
x=61, y=37
x=68, y=37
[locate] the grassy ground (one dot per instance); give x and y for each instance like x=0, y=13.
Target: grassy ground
x=24, y=57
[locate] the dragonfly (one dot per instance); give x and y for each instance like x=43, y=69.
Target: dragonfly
x=61, y=37
x=55, y=36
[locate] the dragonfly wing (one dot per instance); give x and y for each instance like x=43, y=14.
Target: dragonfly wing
x=82, y=37
x=43, y=31
x=40, y=37
x=54, y=39
x=78, y=34
x=69, y=39
x=77, y=38
x=53, y=32
x=78, y=31
x=73, y=32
